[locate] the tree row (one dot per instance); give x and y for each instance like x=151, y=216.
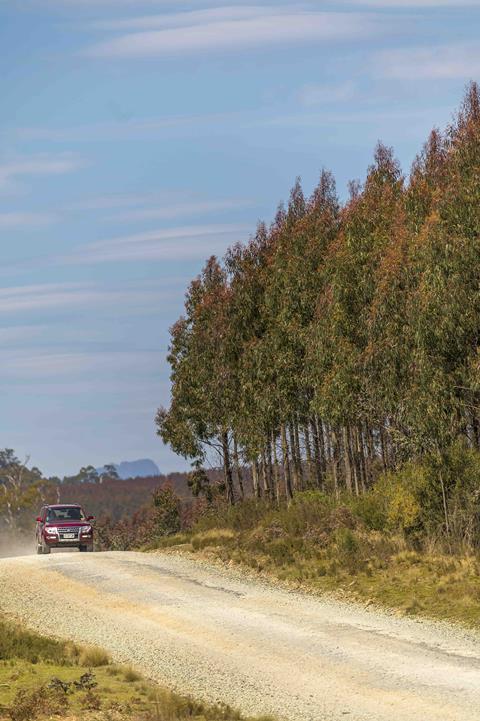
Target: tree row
x=342, y=339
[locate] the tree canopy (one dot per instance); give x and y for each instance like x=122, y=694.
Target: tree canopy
x=343, y=339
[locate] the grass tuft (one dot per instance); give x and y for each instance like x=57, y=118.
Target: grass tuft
x=93, y=657
x=130, y=675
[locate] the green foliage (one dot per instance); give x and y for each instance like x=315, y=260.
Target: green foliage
x=345, y=338
x=20, y=488
x=167, y=513
x=434, y=501
x=199, y=483
x=399, y=495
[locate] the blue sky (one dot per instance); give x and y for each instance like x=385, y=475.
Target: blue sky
x=137, y=137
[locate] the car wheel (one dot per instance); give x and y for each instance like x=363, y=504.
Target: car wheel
x=45, y=549
x=82, y=549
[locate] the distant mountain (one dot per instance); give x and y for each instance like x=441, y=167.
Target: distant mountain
x=142, y=468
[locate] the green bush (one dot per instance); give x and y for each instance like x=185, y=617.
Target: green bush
x=436, y=501
x=347, y=543
x=29, y=705
x=398, y=497
x=167, y=514
x=371, y=510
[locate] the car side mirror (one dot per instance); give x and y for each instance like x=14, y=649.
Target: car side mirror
x=90, y=518
x=38, y=519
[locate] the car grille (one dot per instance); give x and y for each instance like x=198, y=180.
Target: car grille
x=68, y=534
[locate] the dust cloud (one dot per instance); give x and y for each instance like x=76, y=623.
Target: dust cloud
x=12, y=546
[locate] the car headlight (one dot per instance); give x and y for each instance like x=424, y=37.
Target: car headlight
x=86, y=530
x=52, y=530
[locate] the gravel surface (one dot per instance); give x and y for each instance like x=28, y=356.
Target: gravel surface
x=222, y=637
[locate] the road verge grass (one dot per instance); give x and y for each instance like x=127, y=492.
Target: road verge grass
x=326, y=545
x=43, y=678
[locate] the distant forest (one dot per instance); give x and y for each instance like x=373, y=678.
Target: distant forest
x=23, y=489
x=116, y=498
x=343, y=339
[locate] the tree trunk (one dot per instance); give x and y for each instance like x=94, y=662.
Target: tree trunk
x=445, y=511
x=293, y=454
x=476, y=425
x=238, y=469
x=270, y=479
x=286, y=464
x=361, y=458
x=347, y=460
x=256, y=486
x=266, y=488
x=276, y=472
x=383, y=449
x=308, y=452
x=370, y=453
x=335, y=458
x=296, y=435
x=317, y=454
x=227, y=469
x=321, y=445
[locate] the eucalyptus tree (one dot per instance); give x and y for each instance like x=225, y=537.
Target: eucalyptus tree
x=445, y=309
x=203, y=385
x=341, y=337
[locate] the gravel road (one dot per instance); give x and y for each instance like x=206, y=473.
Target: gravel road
x=220, y=636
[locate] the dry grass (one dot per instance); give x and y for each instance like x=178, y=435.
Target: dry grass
x=93, y=657
x=42, y=679
x=323, y=547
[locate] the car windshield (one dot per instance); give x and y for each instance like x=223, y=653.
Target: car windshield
x=65, y=513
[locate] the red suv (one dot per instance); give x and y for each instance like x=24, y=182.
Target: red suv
x=63, y=526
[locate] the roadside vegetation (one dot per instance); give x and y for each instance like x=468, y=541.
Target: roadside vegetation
x=41, y=678
x=331, y=364
x=342, y=341
x=351, y=548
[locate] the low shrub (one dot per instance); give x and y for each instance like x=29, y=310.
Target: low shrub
x=29, y=705
x=93, y=657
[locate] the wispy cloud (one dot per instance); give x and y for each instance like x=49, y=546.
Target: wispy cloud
x=313, y=94
x=414, y=3
x=60, y=296
x=39, y=165
x=191, y=18
x=77, y=4
x=48, y=295
x=172, y=244
x=233, y=29
x=20, y=334
x=25, y=220
x=441, y=62
x=161, y=205
x=128, y=128
x=40, y=364
x=113, y=201
x=179, y=210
